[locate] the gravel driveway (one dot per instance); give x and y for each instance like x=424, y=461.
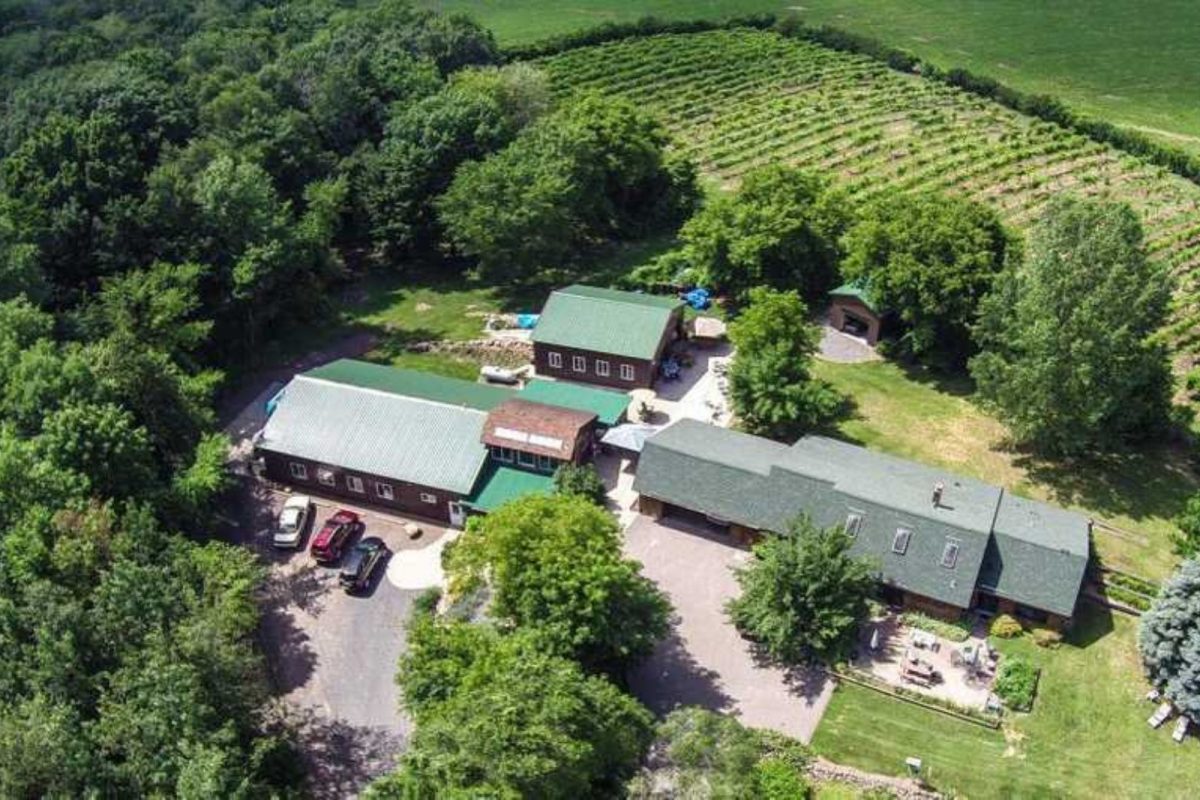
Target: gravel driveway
x=705, y=662
x=332, y=656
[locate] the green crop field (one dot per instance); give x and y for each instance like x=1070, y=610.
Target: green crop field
x=1134, y=64
x=738, y=99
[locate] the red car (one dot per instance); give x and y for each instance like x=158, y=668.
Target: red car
x=327, y=546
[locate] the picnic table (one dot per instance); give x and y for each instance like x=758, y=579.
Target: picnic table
x=917, y=670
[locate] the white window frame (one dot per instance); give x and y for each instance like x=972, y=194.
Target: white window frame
x=355, y=484
x=503, y=454
x=522, y=456
x=547, y=463
x=298, y=471
x=385, y=491
x=627, y=372
x=853, y=524
x=951, y=549
x=578, y=364
x=602, y=368
x=901, y=540
x=326, y=476
x=431, y=499
x=554, y=359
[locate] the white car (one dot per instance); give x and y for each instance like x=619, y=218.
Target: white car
x=293, y=519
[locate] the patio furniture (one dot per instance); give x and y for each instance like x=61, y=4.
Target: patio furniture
x=875, y=638
x=1153, y=695
x=1181, y=729
x=1160, y=716
x=924, y=640
x=412, y=530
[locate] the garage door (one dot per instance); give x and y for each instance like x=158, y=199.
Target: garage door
x=695, y=519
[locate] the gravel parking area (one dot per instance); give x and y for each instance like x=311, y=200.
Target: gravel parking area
x=332, y=656
x=705, y=661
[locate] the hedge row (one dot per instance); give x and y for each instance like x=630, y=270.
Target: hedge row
x=1041, y=106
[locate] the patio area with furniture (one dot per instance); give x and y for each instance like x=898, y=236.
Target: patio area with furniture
x=960, y=672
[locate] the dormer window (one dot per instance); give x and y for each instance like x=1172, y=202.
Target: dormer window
x=854, y=521
x=900, y=541
x=950, y=553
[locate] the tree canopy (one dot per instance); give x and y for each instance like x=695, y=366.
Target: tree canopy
x=803, y=595
x=930, y=259
x=771, y=384
x=1169, y=639
x=781, y=229
x=511, y=719
x=554, y=564
x=1069, y=359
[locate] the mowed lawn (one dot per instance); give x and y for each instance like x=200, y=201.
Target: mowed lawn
x=914, y=415
x=1133, y=63
x=1086, y=736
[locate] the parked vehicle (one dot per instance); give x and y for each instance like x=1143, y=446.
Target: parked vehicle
x=361, y=562
x=294, y=519
x=328, y=545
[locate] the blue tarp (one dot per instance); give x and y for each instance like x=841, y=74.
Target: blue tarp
x=527, y=321
x=698, y=299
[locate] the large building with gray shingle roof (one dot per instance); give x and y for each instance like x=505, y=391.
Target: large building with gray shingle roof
x=941, y=542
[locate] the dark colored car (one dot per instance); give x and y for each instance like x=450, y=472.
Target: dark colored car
x=361, y=562
x=337, y=530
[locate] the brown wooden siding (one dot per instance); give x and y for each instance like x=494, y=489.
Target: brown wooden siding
x=644, y=371
x=406, y=496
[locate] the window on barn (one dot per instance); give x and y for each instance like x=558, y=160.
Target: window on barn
x=555, y=360
x=354, y=483
x=298, y=470
x=627, y=372
x=900, y=541
x=326, y=477
x=579, y=363
x=950, y=553
x=426, y=497
x=601, y=368
x=854, y=521
x=384, y=490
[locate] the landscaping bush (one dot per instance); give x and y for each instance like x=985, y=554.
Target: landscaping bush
x=954, y=631
x=1005, y=626
x=582, y=480
x=778, y=781
x=1047, y=637
x=427, y=602
x=1016, y=682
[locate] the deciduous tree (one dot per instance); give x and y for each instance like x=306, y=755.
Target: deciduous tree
x=1069, y=360
x=771, y=384
x=804, y=595
x=554, y=564
x=930, y=258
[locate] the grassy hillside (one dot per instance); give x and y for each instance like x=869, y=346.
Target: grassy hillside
x=1131, y=63
x=742, y=98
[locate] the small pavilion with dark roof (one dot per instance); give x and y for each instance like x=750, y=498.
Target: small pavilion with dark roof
x=853, y=310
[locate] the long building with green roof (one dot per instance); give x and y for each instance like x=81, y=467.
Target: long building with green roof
x=941, y=542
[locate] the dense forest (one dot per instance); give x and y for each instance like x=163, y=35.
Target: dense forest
x=180, y=183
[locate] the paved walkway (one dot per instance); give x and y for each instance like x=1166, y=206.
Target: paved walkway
x=842, y=348
x=705, y=662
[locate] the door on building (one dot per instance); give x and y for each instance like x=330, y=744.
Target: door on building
x=458, y=514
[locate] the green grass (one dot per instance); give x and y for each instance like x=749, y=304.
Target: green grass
x=912, y=414
x=1131, y=63
x=1086, y=736
x=525, y=21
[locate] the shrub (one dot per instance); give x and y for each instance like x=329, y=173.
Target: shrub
x=954, y=631
x=778, y=781
x=1016, y=682
x=1047, y=637
x=581, y=480
x=1005, y=626
x=427, y=602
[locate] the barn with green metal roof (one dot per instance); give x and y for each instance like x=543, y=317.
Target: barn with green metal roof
x=605, y=336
